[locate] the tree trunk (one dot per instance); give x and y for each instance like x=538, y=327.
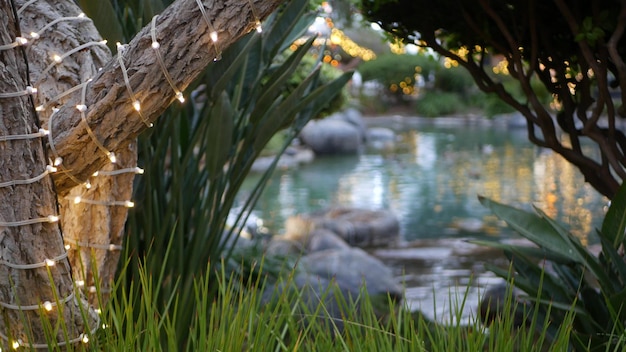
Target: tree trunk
x=92, y=115
x=35, y=274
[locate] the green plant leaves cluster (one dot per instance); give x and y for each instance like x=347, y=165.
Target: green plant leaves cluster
x=561, y=276
x=198, y=156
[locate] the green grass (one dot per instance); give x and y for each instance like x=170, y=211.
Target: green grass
x=241, y=320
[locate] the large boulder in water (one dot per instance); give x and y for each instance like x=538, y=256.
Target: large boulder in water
x=340, y=133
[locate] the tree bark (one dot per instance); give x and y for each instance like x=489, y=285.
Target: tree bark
x=34, y=273
x=93, y=232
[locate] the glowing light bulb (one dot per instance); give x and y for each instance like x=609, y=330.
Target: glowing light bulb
x=47, y=306
x=81, y=107
x=259, y=28
x=155, y=45
x=129, y=204
x=58, y=160
x=81, y=15
x=31, y=90
x=139, y=171
x=51, y=168
x=77, y=200
x=180, y=97
x=98, y=311
x=84, y=338
x=80, y=283
x=95, y=174
x=44, y=131
x=67, y=247
x=39, y=108
x=16, y=344
x=49, y=262
x=213, y=36
x=112, y=157
x=53, y=218
x=57, y=58
x=137, y=105
x=34, y=35
x=88, y=185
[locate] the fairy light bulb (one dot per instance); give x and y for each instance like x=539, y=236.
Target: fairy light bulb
x=129, y=204
x=67, y=247
x=34, y=35
x=16, y=344
x=47, y=306
x=77, y=200
x=57, y=58
x=112, y=157
x=49, y=262
x=80, y=283
x=84, y=338
x=53, y=218
x=58, y=161
x=87, y=185
x=155, y=45
x=81, y=107
x=213, y=36
x=51, y=169
x=137, y=105
x=139, y=171
x=81, y=15
x=39, y=108
x=259, y=28
x=180, y=97
x=31, y=90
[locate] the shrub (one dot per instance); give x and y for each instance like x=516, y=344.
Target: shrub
x=433, y=104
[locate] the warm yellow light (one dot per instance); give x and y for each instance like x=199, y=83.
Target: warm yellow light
x=137, y=105
x=214, y=36
x=50, y=262
x=47, y=306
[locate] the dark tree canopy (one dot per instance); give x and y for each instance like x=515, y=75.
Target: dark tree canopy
x=575, y=48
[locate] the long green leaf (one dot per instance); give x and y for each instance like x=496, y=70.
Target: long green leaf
x=614, y=223
x=534, y=228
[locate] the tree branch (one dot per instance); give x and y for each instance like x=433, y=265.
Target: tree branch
x=186, y=47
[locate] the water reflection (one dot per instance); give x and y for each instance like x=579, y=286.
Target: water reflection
x=432, y=181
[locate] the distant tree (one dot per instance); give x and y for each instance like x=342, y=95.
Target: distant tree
x=575, y=48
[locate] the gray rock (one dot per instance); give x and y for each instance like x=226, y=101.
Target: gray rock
x=320, y=240
x=380, y=138
x=278, y=246
x=332, y=136
x=351, y=269
x=360, y=227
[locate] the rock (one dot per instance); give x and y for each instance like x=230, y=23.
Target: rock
x=292, y=158
x=381, y=138
x=280, y=246
x=321, y=239
x=360, y=227
x=352, y=268
x=332, y=136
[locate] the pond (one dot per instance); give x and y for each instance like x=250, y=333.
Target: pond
x=431, y=180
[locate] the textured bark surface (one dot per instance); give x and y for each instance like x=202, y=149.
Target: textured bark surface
x=28, y=244
x=89, y=230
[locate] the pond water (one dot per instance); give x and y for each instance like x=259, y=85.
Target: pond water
x=431, y=181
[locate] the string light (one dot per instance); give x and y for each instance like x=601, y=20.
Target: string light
x=28, y=91
x=124, y=203
x=57, y=59
x=82, y=108
x=49, y=170
x=48, y=219
x=40, y=133
x=19, y=41
x=257, y=22
x=135, y=102
x=102, y=246
x=128, y=170
x=156, y=46
x=47, y=305
x=213, y=32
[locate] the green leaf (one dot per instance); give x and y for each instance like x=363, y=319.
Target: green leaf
x=614, y=223
x=105, y=19
x=220, y=133
x=534, y=228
